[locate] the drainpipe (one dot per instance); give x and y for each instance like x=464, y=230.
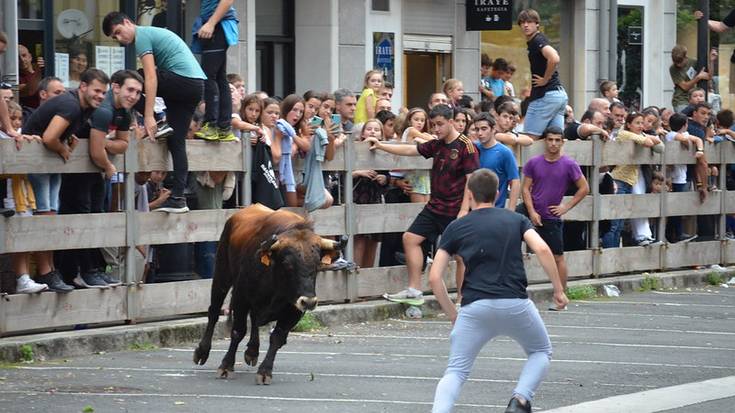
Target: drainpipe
x=612, y=71
x=10, y=26
x=603, y=24
x=703, y=42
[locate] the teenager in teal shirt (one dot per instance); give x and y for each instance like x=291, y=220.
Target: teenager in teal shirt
x=171, y=72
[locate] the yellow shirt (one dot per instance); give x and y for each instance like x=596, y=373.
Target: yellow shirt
x=361, y=114
x=628, y=173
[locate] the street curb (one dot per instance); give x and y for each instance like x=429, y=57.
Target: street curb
x=188, y=331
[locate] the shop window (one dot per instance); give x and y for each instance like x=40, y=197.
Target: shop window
x=511, y=44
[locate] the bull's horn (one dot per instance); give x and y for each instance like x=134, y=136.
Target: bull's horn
x=327, y=244
x=276, y=245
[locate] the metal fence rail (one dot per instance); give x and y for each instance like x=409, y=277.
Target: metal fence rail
x=136, y=301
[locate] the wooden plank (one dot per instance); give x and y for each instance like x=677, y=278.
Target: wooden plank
x=628, y=206
x=580, y=151
x=380, y=160
x=688, y=254
x=579, y=263
x=331, y=286
x=22, y=312
x=174, y=298
x=687, y=203
x=60, y=232
x=330, y=221
x=202, y=156
x=33, y=157
x=729, y=253
x=628, y=259
x=374, y=282
x=383, y=218
x=730, y=202
x=336, y=164
x=678, y=155
x=582, y=211
x=727, y=149
x=194, y=226
x=628, y=153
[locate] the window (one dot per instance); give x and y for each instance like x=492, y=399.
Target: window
x=381, y=5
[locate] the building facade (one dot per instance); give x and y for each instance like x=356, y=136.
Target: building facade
x=289, y=46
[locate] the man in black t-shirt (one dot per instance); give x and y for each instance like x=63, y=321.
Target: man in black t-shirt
x=56, y=121
x=548, y=100
x=83, y=193
x=494, y=299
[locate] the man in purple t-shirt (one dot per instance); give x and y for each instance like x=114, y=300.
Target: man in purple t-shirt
x=545, y=180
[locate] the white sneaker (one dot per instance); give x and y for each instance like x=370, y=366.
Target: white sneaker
x=26, y=285
x=407, y=294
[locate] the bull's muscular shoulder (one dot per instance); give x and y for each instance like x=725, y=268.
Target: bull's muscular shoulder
x=258, y=222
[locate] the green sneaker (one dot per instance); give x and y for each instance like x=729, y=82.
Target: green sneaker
x=207, y=132
x=408, y=296
x=226, y=135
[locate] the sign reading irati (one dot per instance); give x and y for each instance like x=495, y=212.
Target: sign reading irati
x=489, y=14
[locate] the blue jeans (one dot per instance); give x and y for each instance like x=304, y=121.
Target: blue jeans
x=480, y=322
x=675, y=222
x=46, y=190
x=546, y=111
x=611, y=239
x=204, y=256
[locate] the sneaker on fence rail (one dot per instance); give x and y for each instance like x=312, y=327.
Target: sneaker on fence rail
x=7, y=212
x=643, y=242
x=174, y=205
x=226, y=135
x=208, y=132
x=54, y=282
x=410, y=296
x=164, y=130
x=90, y=279
x=25, y=285
x=686, y=238
x=110, y=279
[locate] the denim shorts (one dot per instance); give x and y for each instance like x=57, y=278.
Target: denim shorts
x=546, y=111
x=46, y=190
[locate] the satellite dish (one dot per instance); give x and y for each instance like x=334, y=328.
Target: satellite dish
x=72, y=23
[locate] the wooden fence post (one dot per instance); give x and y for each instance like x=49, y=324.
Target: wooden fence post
x=663, y=218
x=595, y=188
x=349, y=148
x=131, y=231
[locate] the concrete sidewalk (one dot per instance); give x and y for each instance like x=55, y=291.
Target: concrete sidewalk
x=172, y=333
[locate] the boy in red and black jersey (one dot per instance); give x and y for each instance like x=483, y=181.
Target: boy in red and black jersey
x=454, y=158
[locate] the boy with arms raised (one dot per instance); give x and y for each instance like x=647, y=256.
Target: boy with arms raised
x=454, y=157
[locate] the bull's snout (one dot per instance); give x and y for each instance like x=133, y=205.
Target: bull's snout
x=306, y=303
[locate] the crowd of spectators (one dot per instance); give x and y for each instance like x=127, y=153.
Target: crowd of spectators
x=311, y=127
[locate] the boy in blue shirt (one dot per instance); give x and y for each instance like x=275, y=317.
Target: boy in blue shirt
x=171, y=72
x=498, y=158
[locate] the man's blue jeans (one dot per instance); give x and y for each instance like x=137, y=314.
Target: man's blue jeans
x=611, y=239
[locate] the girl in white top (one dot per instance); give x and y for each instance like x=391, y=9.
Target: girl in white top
x=415, y=131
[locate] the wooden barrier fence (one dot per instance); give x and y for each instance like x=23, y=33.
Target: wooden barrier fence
x=136, y=301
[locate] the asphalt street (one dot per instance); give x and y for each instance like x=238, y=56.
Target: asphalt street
x=636, y=343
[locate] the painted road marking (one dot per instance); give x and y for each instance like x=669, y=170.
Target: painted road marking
x=665, y=398
x=237, y=396
x=444, y=356
x=168, y=372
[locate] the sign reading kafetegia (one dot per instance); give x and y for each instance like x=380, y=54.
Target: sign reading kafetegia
x=489, y=14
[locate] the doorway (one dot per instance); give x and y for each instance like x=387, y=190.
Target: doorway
x=424, y=74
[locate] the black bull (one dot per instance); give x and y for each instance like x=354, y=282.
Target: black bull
x=270, y=259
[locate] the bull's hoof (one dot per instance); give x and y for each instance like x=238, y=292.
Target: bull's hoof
x=200, y=356
x=250, y=358
x=263, y=378
x=224, y=373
